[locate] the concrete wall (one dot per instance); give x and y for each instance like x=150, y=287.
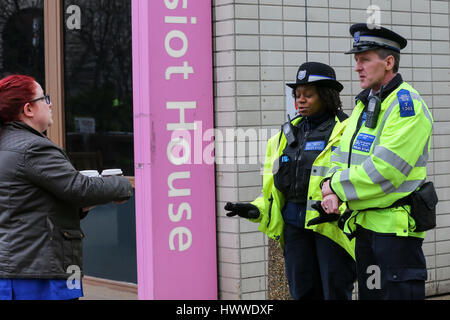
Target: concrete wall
x=258, y=46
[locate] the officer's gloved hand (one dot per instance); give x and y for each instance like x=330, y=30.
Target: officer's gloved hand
x=323, y=216
x=243, y=210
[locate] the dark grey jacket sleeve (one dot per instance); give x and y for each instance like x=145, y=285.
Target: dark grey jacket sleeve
x=47, y=166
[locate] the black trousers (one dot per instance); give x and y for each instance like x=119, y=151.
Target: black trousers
x=389, y=267
x=316, y=267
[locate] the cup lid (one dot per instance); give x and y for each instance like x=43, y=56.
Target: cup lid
x=112, y=172
x=90, y=173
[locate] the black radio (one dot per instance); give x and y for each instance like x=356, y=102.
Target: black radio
x=373, y=110
x=289, y=132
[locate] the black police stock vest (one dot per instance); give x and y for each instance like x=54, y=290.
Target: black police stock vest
x=295, y=164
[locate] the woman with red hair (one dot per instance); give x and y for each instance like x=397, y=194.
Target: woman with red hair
x=42, y=198
x=15, y=92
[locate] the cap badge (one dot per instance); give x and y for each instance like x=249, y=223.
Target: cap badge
x=357, y=37
x=302, y=75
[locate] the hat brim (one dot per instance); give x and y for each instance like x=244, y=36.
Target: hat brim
x=294, y=85
x=321, y=83
x=360, y=50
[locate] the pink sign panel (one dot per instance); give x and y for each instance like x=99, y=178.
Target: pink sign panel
x=175, y=186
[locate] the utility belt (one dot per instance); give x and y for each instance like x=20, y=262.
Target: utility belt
x=423, y=204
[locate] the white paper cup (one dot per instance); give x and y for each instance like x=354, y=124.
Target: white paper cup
x=90, y=173
x=112, y=173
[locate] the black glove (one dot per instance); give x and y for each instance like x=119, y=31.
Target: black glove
x=345, y=216
x=243, y=210
x=323, y=216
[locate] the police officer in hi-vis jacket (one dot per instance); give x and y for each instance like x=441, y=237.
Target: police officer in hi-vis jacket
x=319, y=258
x=379, y=165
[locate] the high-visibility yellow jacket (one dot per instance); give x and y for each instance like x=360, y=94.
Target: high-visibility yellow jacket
x=271, y=202
x=373, y=168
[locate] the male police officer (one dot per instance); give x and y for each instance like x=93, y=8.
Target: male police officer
x=381, y=160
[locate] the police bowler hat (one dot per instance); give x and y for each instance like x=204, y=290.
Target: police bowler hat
x=317, y=74
x=368, y=37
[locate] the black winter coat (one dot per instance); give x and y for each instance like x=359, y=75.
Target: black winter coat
x=41, y=196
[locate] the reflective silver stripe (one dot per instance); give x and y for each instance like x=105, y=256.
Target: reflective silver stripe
x=409, y=186
x=319, y=171
x=377, y=177
x=386, y=116
x=358, y=159
x=347, y=185
x=336, y=159
x=393, y=159
x=333, y=170
x=424, y=106
x=337, y=156
x=338, y=151
x=422, y=162
x=423, y=159
x=276, y=166
x=427, y=112
x=309, y=204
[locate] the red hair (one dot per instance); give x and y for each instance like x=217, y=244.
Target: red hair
x=15, y=92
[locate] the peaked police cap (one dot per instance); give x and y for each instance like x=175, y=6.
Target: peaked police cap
x=370, y=37
x=317, y=74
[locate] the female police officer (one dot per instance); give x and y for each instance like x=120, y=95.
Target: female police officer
x=319, y=258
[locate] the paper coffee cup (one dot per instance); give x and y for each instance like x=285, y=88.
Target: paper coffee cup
x=112, y=172
x=90, y=173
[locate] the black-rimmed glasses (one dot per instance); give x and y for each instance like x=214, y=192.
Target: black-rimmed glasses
x=46, y=98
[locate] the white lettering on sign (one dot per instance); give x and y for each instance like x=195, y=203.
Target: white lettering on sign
x=184, y=234
x=172, y=5
x=184, y=239
x=178, y=192
x=179, y=149
x=182, y=125
x=183, y=208
x=176, y=36
x=185, y=70
x=173, y=35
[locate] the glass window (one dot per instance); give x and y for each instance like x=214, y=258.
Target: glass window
x=22, y=38
x=99, y=124
x=98, y=85
x=109, y=249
